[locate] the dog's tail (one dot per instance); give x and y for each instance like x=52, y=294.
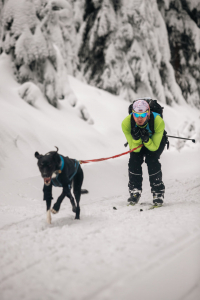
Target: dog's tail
x=83, y=191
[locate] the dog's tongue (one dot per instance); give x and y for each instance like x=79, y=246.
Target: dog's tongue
x=47, y=180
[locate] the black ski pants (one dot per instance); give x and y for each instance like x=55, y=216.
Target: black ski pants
x=154, y=169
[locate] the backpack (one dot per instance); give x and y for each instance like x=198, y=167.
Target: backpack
x=154, y=107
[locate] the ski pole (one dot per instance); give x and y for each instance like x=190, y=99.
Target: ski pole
x=175, y=137
x=178, y=137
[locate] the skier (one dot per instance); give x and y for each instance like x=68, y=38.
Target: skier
x=136, y=128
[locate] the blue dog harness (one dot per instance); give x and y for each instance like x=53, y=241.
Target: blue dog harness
x=55, y=181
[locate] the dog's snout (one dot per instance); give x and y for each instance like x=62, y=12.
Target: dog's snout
x=44, y=174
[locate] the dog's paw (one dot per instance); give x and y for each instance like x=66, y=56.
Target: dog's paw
x=49, y=216
x=55, y=209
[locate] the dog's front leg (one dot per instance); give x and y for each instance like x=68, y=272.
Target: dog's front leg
x=56, y=206
x=47, y=190
x=48, y=203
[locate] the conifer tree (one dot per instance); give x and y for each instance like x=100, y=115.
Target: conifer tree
x=182, y=18
x=39, y=34
x=121, y=46
x=122, y=51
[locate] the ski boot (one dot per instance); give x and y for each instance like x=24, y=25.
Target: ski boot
x=158, y=199
x=134, y=197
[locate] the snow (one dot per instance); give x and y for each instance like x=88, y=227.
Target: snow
x=21, y=13
x=107, y=254
x=29, y=92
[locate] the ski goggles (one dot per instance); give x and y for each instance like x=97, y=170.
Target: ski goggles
x=141, y=115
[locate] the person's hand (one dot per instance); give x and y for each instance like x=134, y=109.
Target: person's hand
x=144, y=135
x=135, y=132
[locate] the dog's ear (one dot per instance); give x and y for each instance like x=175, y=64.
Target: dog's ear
x=57, y=149
x=37, y=155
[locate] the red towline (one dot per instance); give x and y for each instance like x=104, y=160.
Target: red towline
x=101, y=159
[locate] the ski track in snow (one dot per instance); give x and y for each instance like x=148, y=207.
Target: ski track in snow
x=82, y=259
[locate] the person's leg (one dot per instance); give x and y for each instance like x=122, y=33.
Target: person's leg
x=155, y=173
x=135, y=174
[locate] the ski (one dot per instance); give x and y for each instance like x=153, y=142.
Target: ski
x=155, y=206
x=152, y=206
x=131, y=204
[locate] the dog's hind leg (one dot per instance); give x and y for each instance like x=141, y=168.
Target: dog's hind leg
x=77, y=196
x=56, y=207
x=77, y=183
x=74, y=208
x=68, y=194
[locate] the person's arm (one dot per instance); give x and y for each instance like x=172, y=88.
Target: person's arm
x=126, y=128
x=154, y=142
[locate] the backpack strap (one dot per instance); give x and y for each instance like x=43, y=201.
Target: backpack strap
x=151, y=123
x=133, y=123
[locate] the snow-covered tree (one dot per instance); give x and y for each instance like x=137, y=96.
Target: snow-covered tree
x=124, y=51
x=127, y=47
x=38, y=34
x=99, y=23
x=182, y=18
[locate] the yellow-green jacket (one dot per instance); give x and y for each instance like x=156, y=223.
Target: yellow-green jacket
x=154, y=140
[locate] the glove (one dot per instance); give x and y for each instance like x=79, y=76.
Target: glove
x=135, y=132
x=144, y=135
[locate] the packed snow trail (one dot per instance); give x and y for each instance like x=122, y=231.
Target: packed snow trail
x=108, y=254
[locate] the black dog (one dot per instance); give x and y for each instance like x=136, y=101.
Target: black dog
x=60, y=171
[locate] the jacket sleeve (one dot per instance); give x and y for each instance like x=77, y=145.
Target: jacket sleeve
x=154, y=142
x=126, y=128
